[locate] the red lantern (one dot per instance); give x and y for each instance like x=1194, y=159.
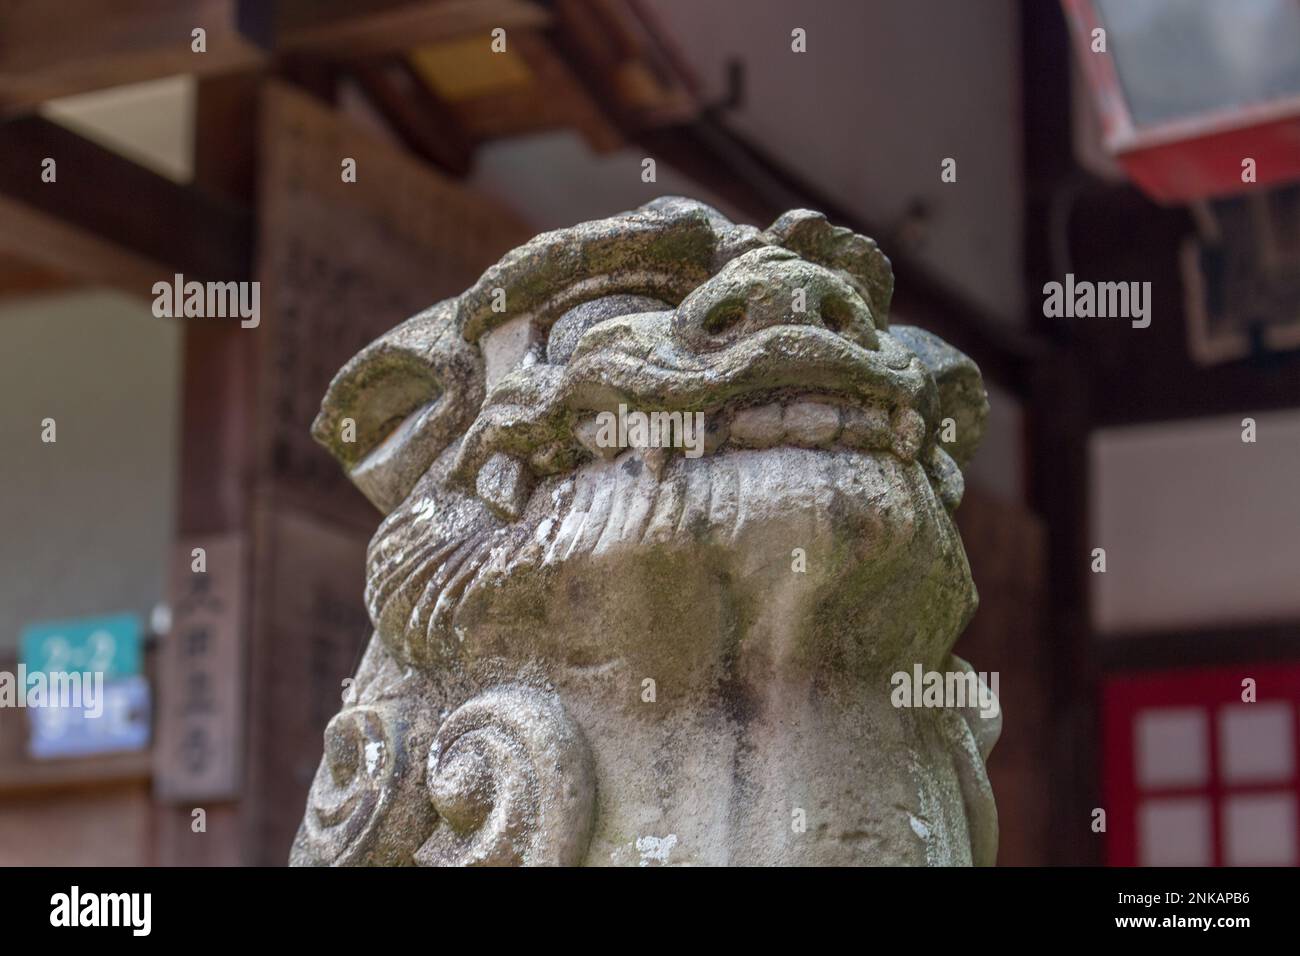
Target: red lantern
x=1197, y=98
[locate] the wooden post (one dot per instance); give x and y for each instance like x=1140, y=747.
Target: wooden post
x=218, y=422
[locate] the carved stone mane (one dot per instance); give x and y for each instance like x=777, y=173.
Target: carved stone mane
x=590, y=653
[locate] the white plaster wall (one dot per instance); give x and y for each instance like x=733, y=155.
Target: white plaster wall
x=553, y=180
x=86, y=521
x=886, y=90
x=1199, y=528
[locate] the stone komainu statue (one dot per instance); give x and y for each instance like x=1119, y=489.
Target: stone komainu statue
x=595, y=655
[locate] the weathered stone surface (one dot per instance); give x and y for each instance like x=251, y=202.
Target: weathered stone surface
x=586, y=656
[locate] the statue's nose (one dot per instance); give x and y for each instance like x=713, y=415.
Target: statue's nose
x=772, y=287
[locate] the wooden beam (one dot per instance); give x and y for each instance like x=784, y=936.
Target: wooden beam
x=108, y=220
x=420, y=119
x=88, y=773
x=48, y=51
x=468, y=68
x=20, y=276
x=350, y=29
x=626, y=61
x=1143, y=375
x=225, y=141
x=1174, y=389
x=555, y=98
x=56, y=244
x=1209, y=647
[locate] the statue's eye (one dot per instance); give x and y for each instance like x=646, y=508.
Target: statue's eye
x=573, y=324
x=724, y=316
x=836, y=314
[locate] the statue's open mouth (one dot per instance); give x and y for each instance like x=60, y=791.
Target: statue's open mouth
x=785, y=386
x=778, y=339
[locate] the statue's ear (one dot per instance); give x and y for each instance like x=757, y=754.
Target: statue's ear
x=399, y=402
x=962, y=397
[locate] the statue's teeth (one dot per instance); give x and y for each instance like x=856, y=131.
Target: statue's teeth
x=866, y=428
x=811, y=424
x=655, y=459
x=805, y=423
x=586, y=431
x=504, y=483
x=757, y=427
x=717, y=430
x=651, y=456
x=908, y=433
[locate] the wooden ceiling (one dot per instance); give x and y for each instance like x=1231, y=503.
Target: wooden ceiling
x=427, y=67
x=599, y=65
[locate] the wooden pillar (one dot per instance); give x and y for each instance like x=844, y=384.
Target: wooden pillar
x=1058, y=424
x=1058, y=430
x=201, y=744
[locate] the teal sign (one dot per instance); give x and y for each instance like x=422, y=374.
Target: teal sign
x=109, y=645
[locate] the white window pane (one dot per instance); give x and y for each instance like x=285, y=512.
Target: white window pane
x=1256, y=742
x=1259, y=830
x=1180, y=58
x=1172, y=747
x=1174, y=832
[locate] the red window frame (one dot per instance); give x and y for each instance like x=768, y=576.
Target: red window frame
x=1123, y=697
